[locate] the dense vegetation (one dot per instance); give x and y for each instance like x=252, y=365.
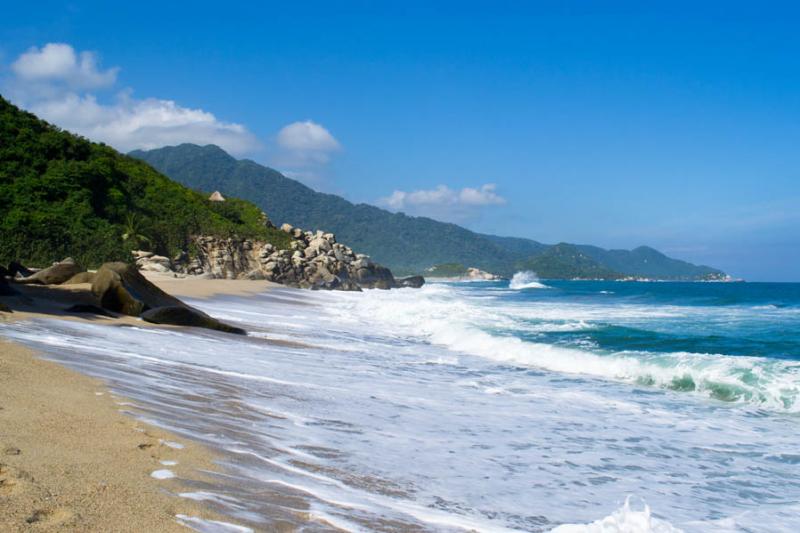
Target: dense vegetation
x=406, y=244
x=61, y=195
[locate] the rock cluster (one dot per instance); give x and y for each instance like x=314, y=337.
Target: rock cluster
x=314, y=260
x=149, y=262
x=478, y=274
x=116, y=287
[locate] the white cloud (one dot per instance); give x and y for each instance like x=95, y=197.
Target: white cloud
x=444, y=196
x=304, y=148
x=53, y=83
x=444, y=202
x=307, y=142
x=307, y=135
x=58, y=62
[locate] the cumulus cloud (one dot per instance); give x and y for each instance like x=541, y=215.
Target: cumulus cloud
x=58, y=62
x=444, y=202
x=306, y=143
x=54, y=82
x=304, y=148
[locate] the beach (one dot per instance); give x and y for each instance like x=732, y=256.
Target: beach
x=478, y=406
x=69, y=458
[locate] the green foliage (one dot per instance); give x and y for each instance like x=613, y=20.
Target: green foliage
x=405, y=244
x=61, y=195
x=566, y=261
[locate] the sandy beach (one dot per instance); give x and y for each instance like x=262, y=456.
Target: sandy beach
x=69, y=459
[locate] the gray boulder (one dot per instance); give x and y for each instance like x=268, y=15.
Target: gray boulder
x=413, y=282
x=181, y=315
x=54, y=275
x=122, y=289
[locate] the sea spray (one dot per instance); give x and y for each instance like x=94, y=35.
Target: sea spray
x=526, y=279
x=623, y=520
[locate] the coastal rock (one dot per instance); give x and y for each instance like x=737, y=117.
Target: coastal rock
x=4, y=308
x=6, y=289
x=478, y=274
x=313, y=260
x=80, y=277
x=17, y=270
x=54, y=275
x=149, y=262
x=122, y=289
x=181, y=315
x=374, y=277
x=414, y=282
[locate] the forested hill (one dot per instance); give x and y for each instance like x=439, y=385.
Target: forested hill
x=62, y=195
x=404, y=243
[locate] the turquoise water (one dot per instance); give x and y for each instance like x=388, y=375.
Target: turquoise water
x=491, y=406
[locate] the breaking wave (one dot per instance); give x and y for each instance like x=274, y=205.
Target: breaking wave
x=526, y=279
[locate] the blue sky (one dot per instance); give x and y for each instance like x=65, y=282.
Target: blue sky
x=616, y=124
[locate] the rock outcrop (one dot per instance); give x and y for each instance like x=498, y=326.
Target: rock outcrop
x=149, y=262
x=413, y=282
x=56, y=274
x=314, y=260
x=122, y=289
x=181, y=315
x=478, y=274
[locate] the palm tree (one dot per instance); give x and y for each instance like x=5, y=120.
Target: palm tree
x=133, y=232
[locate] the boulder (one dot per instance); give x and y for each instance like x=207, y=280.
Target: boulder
x=413, y=282
x=180, y=315
x=6, y=289
x=287, y=228
x=80, y=277
x=4, y=308
x=122, y=289
x=374, y=277
x=15, y=269
x=140, y=254
x=54, y=275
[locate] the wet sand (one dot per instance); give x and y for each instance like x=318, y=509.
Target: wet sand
x=69, y=459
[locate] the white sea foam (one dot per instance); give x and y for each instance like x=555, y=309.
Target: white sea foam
x=429, y=409
x=525, y=280
x=204, y=525
x=623, y=520
x=162, y=474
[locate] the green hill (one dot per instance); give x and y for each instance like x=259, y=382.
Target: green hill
x=406, y=244
x=62, y=195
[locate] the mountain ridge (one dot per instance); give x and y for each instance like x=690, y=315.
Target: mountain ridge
x=404, y=243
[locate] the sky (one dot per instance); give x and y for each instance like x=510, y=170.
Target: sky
x=671, y=124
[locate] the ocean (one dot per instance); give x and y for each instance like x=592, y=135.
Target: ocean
x=574, y=406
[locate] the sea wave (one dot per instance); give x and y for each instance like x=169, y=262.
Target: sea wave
x=445, y=317
x=526, y=279
x=623, y=520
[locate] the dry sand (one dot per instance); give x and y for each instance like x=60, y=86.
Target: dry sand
x=196, y=287
x=69, y=460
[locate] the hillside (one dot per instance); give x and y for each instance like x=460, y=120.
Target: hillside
x=62, y=195
x=406, y=244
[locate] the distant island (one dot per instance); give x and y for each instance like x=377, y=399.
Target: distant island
x=407, y=245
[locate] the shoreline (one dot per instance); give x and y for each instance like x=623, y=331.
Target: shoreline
x=72, y=460
x=74, y=455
